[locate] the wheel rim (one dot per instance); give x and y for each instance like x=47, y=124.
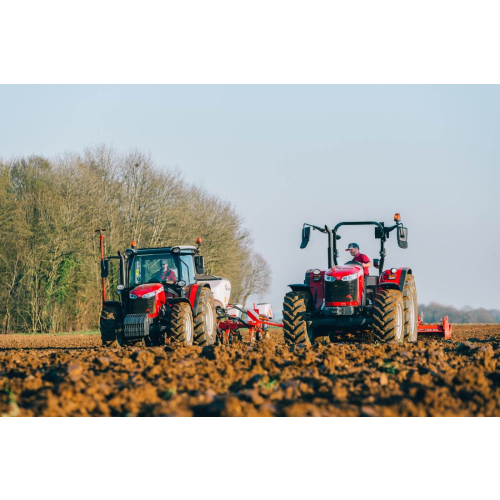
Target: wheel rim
x=399, y=322
x=210, y=322
x=189, y=330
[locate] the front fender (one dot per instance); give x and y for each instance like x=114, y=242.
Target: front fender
x=399, y=282
x=300, y=287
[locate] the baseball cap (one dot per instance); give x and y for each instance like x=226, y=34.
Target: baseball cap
x=352, y=245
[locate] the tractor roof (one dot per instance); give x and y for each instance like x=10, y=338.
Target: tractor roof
x=183, y=248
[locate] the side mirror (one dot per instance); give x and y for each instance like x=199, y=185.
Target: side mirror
x=306, y=233
x=199, y=264
x=403, y=237
x=376, y=263
x=104, y=268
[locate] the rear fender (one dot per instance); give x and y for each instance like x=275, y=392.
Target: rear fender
x=194, y=295
x=398, y=283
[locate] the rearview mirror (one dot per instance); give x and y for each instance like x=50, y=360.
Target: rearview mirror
x=376, y=263
x=199, y=264
x=306, y=232
x=104, y=268
x=403, y=237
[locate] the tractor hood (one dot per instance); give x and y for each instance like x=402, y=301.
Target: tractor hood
x=146, y=288
x=340, y=271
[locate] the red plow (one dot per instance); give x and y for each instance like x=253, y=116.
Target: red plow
x=231, y=321
x=444, y=327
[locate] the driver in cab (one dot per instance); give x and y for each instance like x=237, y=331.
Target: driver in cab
x=165, y=273
x=359, y=257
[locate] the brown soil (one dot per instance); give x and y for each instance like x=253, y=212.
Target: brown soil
x=71, y=375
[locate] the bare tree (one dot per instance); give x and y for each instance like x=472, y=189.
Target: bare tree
x=49, y=272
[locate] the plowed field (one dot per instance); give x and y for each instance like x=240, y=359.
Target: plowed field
x=71, y=375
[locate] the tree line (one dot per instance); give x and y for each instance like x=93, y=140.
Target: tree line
x=49, y=252
x=434, y=312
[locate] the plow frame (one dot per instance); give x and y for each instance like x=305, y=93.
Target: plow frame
x=229, y=325
x=444, y=327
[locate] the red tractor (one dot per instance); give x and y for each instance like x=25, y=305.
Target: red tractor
x=164, y=297
x=342, y=299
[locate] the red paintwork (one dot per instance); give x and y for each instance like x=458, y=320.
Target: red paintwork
x=255, y=322
x=341, y=304
x=385, y=276
x=103, y=282
x=444, y=327
x=192, y=294
x=160, y=298
x=339, y=272
x=319, y=286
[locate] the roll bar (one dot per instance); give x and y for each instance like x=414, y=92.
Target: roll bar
x=381, y=232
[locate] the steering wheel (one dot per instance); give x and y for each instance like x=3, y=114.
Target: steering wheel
x=355, y=262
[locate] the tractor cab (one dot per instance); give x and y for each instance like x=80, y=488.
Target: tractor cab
x=170, y=265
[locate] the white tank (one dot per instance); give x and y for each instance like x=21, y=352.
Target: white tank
x=265, y=309
x=232, y=311
x=221, y=288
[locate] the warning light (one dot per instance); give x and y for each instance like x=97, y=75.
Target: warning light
x=198, y=240
x=397, y=217
x=132, y=244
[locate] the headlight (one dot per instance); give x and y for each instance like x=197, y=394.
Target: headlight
x=316, y=271
x=176, y=250
x=181, y=283
x=394, y=270
x=350, y=277
x=149, y=295
x=329, y=278
x=132, y=296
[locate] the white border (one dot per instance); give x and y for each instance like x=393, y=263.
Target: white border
x=271, y=41
x=248, y=458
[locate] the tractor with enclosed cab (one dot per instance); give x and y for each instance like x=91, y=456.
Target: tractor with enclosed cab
x=343, y=299
x=164, y=297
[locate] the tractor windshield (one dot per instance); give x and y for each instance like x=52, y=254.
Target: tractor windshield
x=157, y=267
x=153, y=268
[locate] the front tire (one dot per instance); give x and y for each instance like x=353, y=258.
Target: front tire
x=110, y=325
x=181, y=323
x=388, y=316
x=295, y=327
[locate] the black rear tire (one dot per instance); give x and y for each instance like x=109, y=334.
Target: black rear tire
x=181, y=323
x=205, y=319
x=295, y=327
x=388, y=316
x=110, y=325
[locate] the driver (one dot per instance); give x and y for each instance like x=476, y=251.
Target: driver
x=165, y=273
x=359, y=257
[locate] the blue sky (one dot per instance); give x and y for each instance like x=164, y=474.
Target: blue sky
x=284, y=155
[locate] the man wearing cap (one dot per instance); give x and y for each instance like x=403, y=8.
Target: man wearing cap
x=359, y=257
x=165, y=273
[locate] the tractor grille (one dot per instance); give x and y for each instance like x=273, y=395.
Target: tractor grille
x=141, y=306
x=338, y=291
